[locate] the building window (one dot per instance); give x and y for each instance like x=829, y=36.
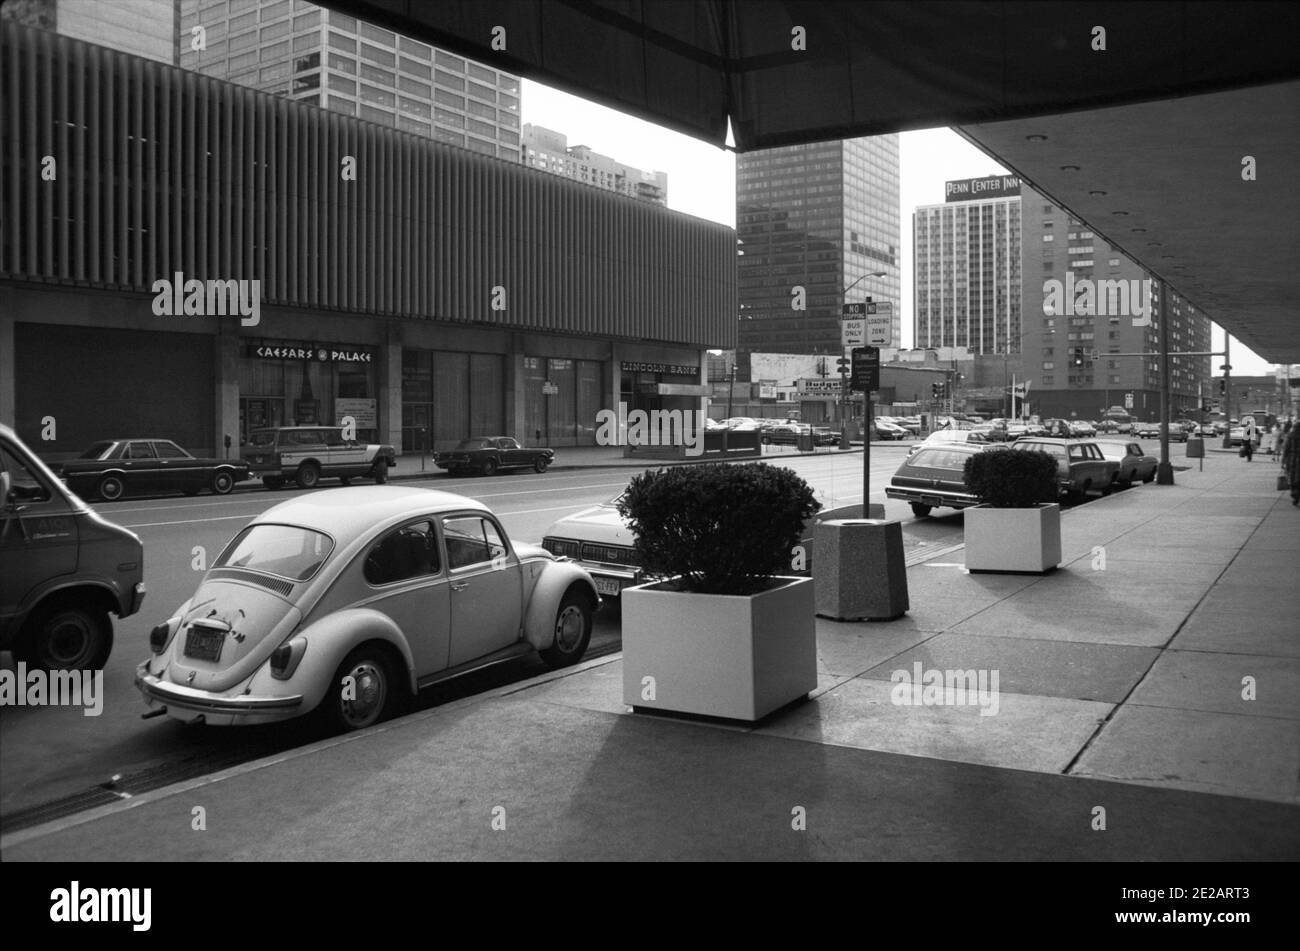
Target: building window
x=1049, y=237
x=377, y=55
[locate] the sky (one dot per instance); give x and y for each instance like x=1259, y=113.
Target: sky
x=702, y=178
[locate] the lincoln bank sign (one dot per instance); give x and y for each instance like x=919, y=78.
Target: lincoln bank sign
x=972, y=189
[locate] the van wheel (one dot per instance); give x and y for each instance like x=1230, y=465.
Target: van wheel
x=67, y=635
x=308, y=476
x=111, y=488
x=919, y=510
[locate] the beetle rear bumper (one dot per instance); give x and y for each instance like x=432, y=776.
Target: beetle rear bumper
x=217, y=709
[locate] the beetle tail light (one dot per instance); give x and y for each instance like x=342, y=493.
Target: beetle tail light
x=159, y=637
x=286, y=657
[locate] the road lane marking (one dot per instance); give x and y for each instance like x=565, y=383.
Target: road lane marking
x=187, y=521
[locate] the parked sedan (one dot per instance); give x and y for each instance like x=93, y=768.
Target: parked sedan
x=934, y=477
x=889, y=430
x=1081, y=466
x=1133, y=462
x=489, y=454
x=115, y=467
x=347, y=602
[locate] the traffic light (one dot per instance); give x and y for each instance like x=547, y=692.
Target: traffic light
x=1223, y=387
x=1078, y=356
x=843, y=364
x=934, y=391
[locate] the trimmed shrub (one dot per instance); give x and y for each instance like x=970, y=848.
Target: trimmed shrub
x=720, y=528
x=1012, y=478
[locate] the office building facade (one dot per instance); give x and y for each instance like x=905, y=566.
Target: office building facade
x=811, y=221
x=321, y=57
x=1081, y=296
x=966, y=268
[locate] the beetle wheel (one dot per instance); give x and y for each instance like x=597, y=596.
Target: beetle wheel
x=572, y=632
x=362, y=692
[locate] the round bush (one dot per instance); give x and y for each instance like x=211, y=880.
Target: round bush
x=1012, y=478
x=720, y=528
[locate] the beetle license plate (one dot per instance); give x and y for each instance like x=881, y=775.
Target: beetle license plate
x=204, y=645
x=608, y=586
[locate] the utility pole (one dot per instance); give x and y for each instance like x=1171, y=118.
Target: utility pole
x=1227, y=390
x=1165, y=470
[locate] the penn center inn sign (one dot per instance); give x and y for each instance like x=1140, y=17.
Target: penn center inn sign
x=972, y=189
x=319, y=354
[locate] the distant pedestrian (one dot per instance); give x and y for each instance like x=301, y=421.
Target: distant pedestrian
x=1291, y=462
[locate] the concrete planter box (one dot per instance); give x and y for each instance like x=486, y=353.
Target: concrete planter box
x=733, y=656
x=1013, y=540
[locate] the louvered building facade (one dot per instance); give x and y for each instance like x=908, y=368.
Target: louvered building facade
x=428, y=291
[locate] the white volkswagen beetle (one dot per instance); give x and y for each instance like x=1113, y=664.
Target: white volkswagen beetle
x=348, y=601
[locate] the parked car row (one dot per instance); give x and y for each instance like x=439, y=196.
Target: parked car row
x=932, y=474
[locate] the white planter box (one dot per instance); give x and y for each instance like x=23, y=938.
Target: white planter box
x=1013, y=539
x=719, y=655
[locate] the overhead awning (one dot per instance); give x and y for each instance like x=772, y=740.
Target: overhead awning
x=788, y=72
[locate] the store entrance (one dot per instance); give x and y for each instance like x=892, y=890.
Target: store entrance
x=259, y=412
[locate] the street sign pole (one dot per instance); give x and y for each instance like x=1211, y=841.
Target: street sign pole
x=866, y=455
x=866, y=378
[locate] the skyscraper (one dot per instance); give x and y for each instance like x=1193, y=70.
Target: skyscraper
x=325, y=58
x=811, y=221
x=967, y=267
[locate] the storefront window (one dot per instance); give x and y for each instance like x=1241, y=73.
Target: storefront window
x=562, y=398
x=447, y=397
x=294, y=383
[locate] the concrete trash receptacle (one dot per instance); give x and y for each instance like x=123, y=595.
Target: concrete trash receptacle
x=859, y=572
x=806, y=442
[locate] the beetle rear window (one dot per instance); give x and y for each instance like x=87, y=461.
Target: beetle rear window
x=286, y=551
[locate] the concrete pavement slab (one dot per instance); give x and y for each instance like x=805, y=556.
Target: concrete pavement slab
x=1221, y=625
x=1061, y=616
x=1102, y=672
x=1135, y=548
x=846, y=649
x=1197, y=680
x=1230, y=754
x=1139, y=573
x=1025, y=732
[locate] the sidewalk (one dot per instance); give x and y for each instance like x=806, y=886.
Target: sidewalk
x=1121, y=687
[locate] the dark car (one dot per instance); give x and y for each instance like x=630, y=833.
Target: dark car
x=1081, y=466
x=115, y=467
x=489, y=454
x=307, y=454
x=63, y=568
x=934, y=477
